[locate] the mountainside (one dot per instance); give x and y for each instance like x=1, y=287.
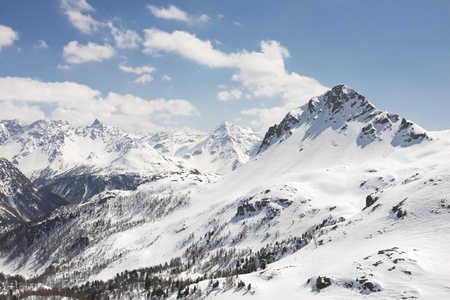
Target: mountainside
x=343, y=201
x=19, y=200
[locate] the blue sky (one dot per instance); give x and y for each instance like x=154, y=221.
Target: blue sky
x=152, y=65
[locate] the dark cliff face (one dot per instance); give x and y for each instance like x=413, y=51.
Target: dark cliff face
x=275, y=132
x=336, y=109
x=77, y=188
x=20, y=200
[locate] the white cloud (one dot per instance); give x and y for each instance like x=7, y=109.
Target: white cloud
x=79, y=5
x=262, y=73
x=171, y=13
x=21, y=98
x=237, y=23
x=63, y=67
x=75, y=53
x=7, y=36
x=187, y=45
x=237, y=94
x=137, y=70
x=125, y=38
x=229, y=95
x=167, y=78
x=203, y=18
x=41, y=44
x=32, y=90
x=145, y=70
x=12, y=110
x=266, y=117
x=73, y=9
x=144, y=79
x=174, y=13
x=132, y=105
x=223, y=96
x=84, y=23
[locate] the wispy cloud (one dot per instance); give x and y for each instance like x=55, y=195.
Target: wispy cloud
x=145, y=70
x=125, y=38
x=41, y=44
x=80, y=104
x=174, y=13
x=74, y=10
x=137, y=70
x=7, y=36
x=144, y=79
x=74, y=53
x=63, y=67
x=79, y=5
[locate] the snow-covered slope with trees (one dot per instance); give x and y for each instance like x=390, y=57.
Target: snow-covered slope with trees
x=343, y=201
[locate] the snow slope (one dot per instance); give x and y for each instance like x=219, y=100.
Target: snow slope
x=374, y=253
x=339, y=190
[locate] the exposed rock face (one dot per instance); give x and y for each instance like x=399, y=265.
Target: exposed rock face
x=20, y=200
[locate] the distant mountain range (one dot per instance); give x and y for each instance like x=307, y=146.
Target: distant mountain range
x=77, y=163
x=340, y=200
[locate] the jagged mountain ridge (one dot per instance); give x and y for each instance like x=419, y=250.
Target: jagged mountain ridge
x=77, y=163
x=55, y=147
x=340, y=108
x=20, y=200
x=304, y=197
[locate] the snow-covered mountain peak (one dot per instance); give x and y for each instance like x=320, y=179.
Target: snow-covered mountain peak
x=227, y=127
x=345, y=111
x=220, y=151
x=335, y=101
x=225, y=148
x=227, y=132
